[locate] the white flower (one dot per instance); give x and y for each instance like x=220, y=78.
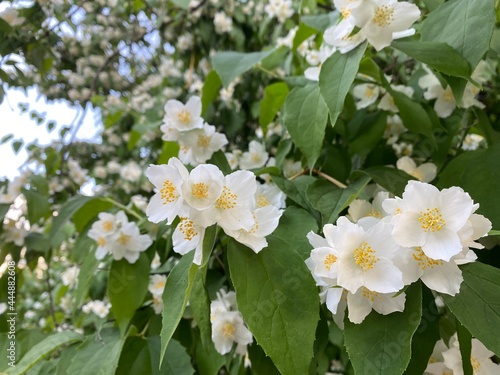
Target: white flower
x=188, y=236
x=233, y=158
x=107, y=224
x=11, y=16
x=291, y=168
x=431, y=219
x=168, y=181
x=98, y=307
x=387, y=101
x=324, y=53
x=70, y=276
x=268, y=194
x=480, y=360
x=3, y=307
x=366, y=93
x=131, y=171
x=359, y=208
x=472, y=142
x=361, y=303
x=128, y=243
x=139, y=201
x=223, y=23
x=156, y=262
x=365, y=256
x=281, y=9
x=15, y=232
x=255, y=157
x=203, y=187
x=341, y=37
x=157, y=304
x=156, y=285
x=385, y=20
x=266, y=220
x=183, y=117
x=425, y=172
x=232, y=208
x=202, y=143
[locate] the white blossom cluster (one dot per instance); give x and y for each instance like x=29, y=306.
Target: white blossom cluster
x=227, y=324
x=378, y=21
x=203, y=197
x=115, y=235
x=364, y=261
x=184, y=124
x=447, y=360
x=98, y=307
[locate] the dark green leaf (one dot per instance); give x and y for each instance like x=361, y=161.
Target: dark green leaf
x=175, y=362
x=210, y=90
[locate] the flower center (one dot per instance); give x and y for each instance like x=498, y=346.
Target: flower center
x=431, y=220
x=329, y=260
x=476, y=365
x=186, y=227
x=123, y=239
x=384, y=15
x=200, y=190
x=203, y=141
x=424, y=261
x=375, y=213
x=107, y=226
x=367, y=293
x=184, y=117
x=256, y=158
x=101, y=241
x=168, y=192
x=365, y=257
x=369, y=91
x=160, y=284
x=262, y=201
x=226, y=200
x=346, y=12
x=228, y=330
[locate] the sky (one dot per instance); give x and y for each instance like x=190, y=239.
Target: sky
x=12, y=121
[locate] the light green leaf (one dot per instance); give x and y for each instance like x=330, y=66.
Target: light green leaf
x=86, y=274
x=305, y=117
x=303, y=32
x=465, y=25
x=181, y=3
x=66, y=212
x=98, y=354
x=38, y=205
x=279, y=302
x=295, y=189
x=89, y=211
x=477, y=305
x=381, y=344
x=437, y=55
x=127, y=287
x=210, y=90
x=230, y=65
x=43, y=348
x=336, y=77
x=321, y=22
x=168, y=150
x=135, y=358
x=274, y=98
x=175, y=297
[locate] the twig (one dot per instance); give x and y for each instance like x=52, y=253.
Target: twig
x=330, y=178
x=125, y=208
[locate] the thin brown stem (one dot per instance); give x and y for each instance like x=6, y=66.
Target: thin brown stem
x=329, y=178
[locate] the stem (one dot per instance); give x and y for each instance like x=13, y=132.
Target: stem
x=125, y=208
x=51, y=300
x=268, y=71
x=330, y=178
x=297, y=175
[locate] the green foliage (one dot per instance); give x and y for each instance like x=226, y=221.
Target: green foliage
x=274, y=98
x=276, y=295
x=230, y=65
x=381, y=344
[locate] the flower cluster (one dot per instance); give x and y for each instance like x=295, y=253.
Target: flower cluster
x=98, y=307
x=366, y=262
x=378, y=21
x=184, y=124
x=448, y=359
x=204, y=196
x=227, y=324
x=116, y=235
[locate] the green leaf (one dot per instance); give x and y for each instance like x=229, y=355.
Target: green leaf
x=330, y=200
x=230, y=65
x=86, y=274
x=381, y=344
x=65, y=213
x=6, y=138
x=181, y=3
x=208, y=244
x=437, y=55
x=295, y=189
x=477, y=305
x=175, y=362
x=135, y=358
x=336, y=77
x=274, y=98
x=279, y=302
x=16, y=145
x=484, y=124
x=303, y=32
x=294, y=225
x=98, y=354
x=38, y=205
x=305, y=117
x=89, y=211
x=168, y=150
x=175, y=297
x=465, y=25
x=210, y=90
x=426, y=336
x=321, y=22
x=200, y=306
x=392, y=179
x=219, y=159
x=127, y=287
x=373, y=130
x=43, y=348
x=465, y=344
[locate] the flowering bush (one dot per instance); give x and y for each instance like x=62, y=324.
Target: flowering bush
x=279, y=187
